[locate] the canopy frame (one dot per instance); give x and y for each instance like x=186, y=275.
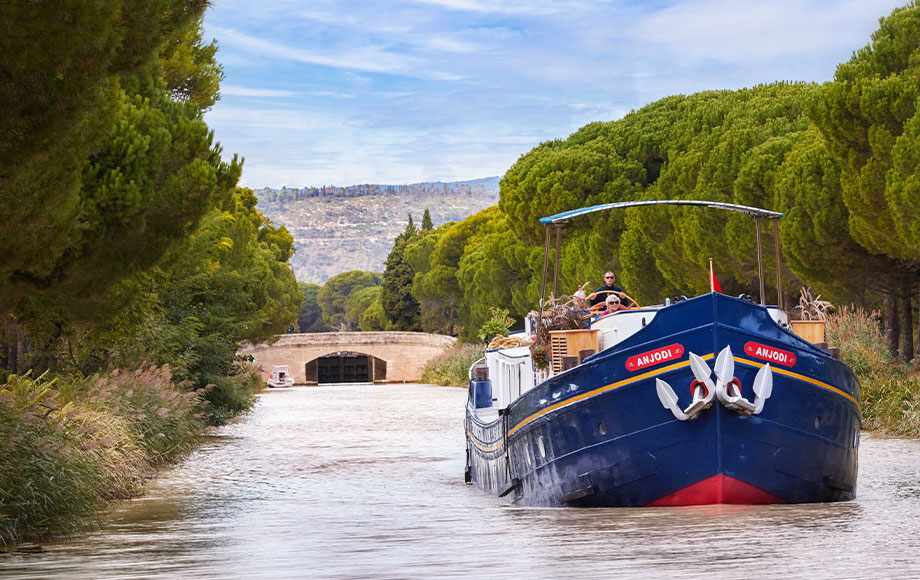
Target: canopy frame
x=559, y=220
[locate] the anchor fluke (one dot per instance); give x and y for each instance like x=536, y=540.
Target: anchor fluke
x=669, y=399
x=763, y=387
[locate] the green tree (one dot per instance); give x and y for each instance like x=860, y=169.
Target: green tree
x=871, y=124
x=334, y=293
x=426, y=221
x=374, y=318
x=358, y=303
x=128, y=174
x=400, y=307
x=228, y=282
x=310, y=318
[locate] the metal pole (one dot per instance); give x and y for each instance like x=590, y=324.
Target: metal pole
x=556, y=267
x=760, y=260
x=545, y=264
x=779, y=267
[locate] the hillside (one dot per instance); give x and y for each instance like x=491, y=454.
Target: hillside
x=337, y=229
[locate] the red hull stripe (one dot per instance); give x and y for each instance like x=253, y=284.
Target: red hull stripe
x=717, y=489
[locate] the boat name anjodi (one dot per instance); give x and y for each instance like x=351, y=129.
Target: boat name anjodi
x=654, y=357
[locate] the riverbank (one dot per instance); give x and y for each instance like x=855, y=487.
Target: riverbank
x=74, y=445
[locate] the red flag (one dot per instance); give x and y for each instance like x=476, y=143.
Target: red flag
x=713, y=281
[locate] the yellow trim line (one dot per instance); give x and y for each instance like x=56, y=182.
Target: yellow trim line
x=650, y=374
x=815, y=382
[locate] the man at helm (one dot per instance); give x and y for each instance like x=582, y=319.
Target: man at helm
x=608, y=288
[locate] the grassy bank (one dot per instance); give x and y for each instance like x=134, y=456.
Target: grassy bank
x=890, y=390
x=451, y=367
x=71, y=446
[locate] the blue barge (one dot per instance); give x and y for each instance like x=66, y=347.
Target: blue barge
x=711, y=400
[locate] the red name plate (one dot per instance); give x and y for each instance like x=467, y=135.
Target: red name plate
x=654, y=357
x=768, y=353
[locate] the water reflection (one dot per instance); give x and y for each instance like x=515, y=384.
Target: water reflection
x=361, y=481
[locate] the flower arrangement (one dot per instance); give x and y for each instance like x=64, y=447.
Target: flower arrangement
x=540, y=357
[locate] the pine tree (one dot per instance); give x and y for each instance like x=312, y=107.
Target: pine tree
x=410, y=230
x=400, y=307
x=426, y=221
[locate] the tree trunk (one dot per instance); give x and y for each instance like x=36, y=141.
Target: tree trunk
x=918, y=326
x=892, y=328
x=907, y=324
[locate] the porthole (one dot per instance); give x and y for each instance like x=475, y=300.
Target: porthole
x=602, y=427
x=541, y=447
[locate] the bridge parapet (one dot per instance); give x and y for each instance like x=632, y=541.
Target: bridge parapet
x=405, y=353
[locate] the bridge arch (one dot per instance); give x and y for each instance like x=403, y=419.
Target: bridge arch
x=400, y=356
x=345, y=367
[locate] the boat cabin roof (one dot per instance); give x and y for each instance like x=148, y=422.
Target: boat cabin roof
x=751, y=211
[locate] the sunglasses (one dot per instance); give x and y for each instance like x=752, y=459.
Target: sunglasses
x=608, y=277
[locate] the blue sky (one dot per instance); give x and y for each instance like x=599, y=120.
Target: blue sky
x=325, y=92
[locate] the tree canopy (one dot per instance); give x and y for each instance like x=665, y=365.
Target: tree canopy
x=125, y=239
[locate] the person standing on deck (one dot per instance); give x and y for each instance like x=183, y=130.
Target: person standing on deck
x=599, y=296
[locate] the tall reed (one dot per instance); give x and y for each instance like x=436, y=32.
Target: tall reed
x=451, y=368
x=72, y=445
x=890, y=395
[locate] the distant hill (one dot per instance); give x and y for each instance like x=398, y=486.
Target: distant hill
x=337, y=229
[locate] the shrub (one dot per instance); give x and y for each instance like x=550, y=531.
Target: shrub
x=227, y=397
x=498, y=325
x=452, y=367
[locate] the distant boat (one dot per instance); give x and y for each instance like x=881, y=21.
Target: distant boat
x=709, y=400
x=280, y=377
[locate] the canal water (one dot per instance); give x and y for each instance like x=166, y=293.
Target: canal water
x=367, y=482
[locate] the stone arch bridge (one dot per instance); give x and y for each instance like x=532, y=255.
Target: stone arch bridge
x=341, y=357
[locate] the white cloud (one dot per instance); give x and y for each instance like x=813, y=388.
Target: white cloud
x=237, y=91
x=277, y=119
x=367, y=58
x=735, y=32
x=520, y=7
x=453, y=89
x=331, y=94
x=446, y=44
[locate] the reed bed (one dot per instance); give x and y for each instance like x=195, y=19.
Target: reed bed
x=451, y=368
x=890, y=392
x=71, y=446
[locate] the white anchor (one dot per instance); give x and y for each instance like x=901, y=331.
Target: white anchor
x=727, y=388
x=703, y=392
